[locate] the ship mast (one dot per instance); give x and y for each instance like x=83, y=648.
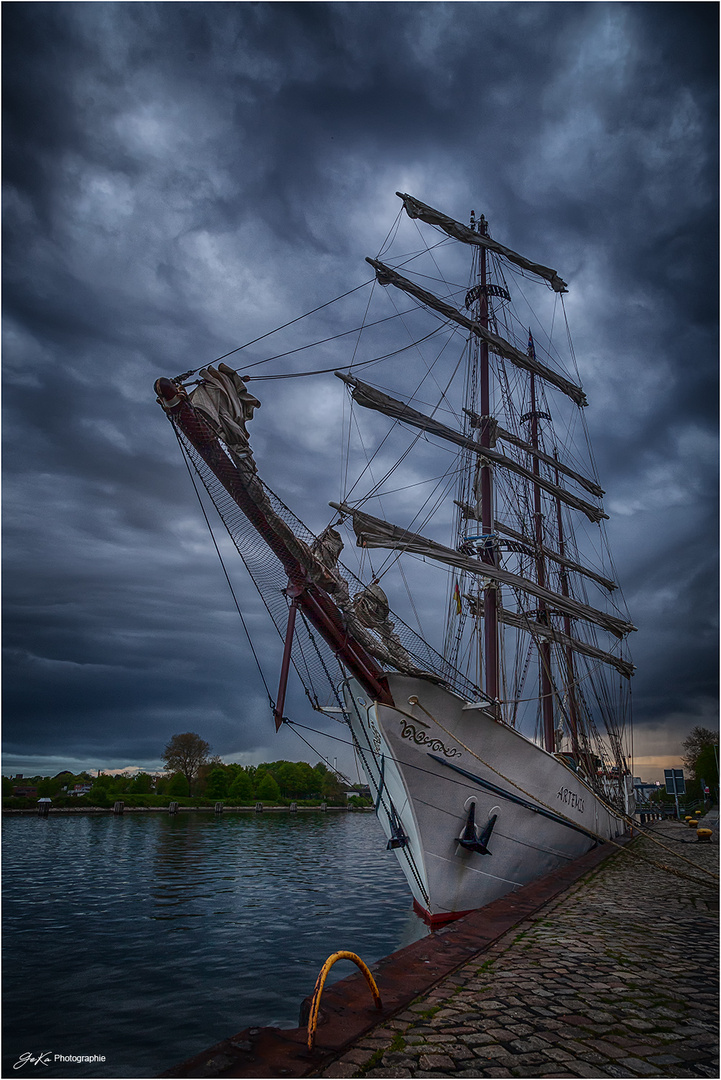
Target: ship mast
x=497, y=448
x=544, y=647
x=570, y=670
x=490, y=592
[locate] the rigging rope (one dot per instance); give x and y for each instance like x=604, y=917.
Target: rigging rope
x=292, y=724
x=227, y=578
x=337, y=367
x=285, y=325
x=335, y=337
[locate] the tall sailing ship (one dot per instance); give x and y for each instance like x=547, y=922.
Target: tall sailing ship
x=500, y=751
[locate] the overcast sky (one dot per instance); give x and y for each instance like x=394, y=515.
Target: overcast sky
x=181, y=178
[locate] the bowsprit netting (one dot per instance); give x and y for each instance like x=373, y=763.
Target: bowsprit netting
x=312, y=657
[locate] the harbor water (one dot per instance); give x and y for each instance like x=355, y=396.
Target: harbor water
x=148, y=937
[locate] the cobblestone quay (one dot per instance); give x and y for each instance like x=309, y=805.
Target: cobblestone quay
x=617, y=977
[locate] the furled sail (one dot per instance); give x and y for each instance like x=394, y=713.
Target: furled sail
x=507, y=436
x=496, y=343
x=374, y=399
x=551, y=633
x=375, y=533
x=367, y=610
x=223, y=397
x=529, y=544
x=416, y=209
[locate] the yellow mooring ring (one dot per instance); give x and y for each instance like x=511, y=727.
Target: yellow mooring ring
x=320, y=981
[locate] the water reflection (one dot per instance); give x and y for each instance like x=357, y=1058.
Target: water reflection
x=150, y=937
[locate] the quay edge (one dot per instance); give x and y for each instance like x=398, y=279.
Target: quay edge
x=347, y=1011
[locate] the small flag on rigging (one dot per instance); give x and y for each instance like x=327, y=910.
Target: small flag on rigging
x=457, y=594
x=531, y=348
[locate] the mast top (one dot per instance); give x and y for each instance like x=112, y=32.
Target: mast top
x=416, y=209
x=477, y=225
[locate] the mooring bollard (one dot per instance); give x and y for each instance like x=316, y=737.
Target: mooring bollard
x=173, y=808
x=259, y=808
x=119, y=807
x=219, y=808
x=703, y=836
x=320, y=982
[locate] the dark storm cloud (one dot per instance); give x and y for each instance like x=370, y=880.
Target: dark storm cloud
x=180, y=178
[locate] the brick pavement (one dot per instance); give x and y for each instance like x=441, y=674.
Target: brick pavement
x=617, y=977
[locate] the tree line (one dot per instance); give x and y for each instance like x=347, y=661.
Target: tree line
x=187, y=758
x=190, y=772
x=269, y=783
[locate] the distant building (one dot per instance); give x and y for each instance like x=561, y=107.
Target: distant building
x=26, y=791
x=643, y=790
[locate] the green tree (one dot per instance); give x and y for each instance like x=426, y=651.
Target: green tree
x=307, y=780
x=49, y=786
x=289, y=779
x=186, y=753
x=707, y=769
x=699, y=740
x=217, y=785
x=142, y=784
x=105, y=780
x=178, y=786
x=162, y=784
x=99, y=795
x=241, y=789
x=320, y=771
x=331, y=788
x=267, y=789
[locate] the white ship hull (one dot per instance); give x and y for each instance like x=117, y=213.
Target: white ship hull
x=417, y=757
